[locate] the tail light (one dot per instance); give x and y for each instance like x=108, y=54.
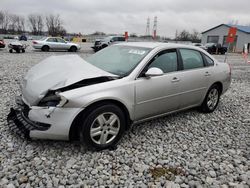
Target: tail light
x=34, y=42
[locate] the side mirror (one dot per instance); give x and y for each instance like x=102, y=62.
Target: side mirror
x=152, y=72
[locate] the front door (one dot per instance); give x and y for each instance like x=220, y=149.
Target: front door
x=158, y=95
x=61, y=44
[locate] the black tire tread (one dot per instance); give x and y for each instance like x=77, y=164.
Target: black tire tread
x=90, y=115
x=204, y=108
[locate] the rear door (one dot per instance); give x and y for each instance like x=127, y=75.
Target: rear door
x=158, y=95
x=194, y=78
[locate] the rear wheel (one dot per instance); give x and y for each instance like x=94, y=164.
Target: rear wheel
x=103, y=126
x=211, y=100
x=45, y=48
x=23, y=50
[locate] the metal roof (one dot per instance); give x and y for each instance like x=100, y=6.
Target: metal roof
x=245, y=29
x=157, y=45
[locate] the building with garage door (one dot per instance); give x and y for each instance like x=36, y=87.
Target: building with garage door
x=219, y=34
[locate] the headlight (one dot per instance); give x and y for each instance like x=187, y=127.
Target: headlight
x=53, y=100
x=62, y=102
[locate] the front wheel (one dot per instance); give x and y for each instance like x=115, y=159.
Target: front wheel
x=73, y=49
x=211, y=100
x=104, y=126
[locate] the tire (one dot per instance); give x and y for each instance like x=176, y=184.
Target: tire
x=105, y=134
x=73, y=49
x=45, y=48
x=11, y=51
x=23, y=50
x=211, y=100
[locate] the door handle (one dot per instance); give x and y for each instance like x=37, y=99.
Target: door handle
x=207, y=73
x=175, y=79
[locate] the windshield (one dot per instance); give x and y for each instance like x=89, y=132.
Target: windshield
x=118, y=60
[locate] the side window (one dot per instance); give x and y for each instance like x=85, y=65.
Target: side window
x=115, y=39
x=60, y=40
x=209, y=61
x=121, y=38
x=167, y=61
x=51, y=40
x=191, y=59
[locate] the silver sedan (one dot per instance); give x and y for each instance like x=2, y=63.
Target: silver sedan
x=97, y=99
x=55, y=43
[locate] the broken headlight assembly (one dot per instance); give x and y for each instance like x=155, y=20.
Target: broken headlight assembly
x=53, y=100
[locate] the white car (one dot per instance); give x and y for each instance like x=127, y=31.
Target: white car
x=55, y=43
x=68, y=98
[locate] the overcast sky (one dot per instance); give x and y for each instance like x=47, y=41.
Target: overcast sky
x=117, y=16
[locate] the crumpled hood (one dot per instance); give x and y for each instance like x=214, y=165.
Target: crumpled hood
x=56, y=72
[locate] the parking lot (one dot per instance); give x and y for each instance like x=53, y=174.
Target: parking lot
x=187, y=149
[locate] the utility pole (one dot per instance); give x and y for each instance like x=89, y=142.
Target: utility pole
x=155, y=28
x=148, y=27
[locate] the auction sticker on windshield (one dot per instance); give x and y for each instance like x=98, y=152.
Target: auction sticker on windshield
x=138, y=52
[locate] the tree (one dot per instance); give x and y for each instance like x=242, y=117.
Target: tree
x=195, y=36
x=183, y=36
x=4, y=21
x=98, y=33
x=13, y=23
x=186, y=36
x=54, y=25
x=1, y=17
x=20, y=24
x=32, y=23
x=36, y=23
x=39, y=24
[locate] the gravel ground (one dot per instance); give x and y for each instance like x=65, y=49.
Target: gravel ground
x=187, y=149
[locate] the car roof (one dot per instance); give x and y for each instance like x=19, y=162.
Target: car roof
x=157, y=44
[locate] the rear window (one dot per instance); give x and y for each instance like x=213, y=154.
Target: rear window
x=209, y=61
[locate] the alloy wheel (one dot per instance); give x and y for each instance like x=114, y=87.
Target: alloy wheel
x=212, y=98
x=105, y=128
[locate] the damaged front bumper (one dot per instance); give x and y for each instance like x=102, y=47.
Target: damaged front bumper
x=36, y=122
x=20, y=123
